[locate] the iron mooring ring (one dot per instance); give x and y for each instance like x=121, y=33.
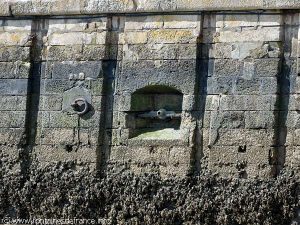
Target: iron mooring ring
x=76, y=106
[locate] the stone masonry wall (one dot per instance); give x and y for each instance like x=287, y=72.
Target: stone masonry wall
x=16, y=76
x=243, y=68
x=236, y=73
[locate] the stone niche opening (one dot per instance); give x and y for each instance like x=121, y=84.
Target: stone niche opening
x=156, y=113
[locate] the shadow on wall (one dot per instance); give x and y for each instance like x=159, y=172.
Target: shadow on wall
x=39, y=29
x=281, y=108
x=202, y=65
x=107, y=105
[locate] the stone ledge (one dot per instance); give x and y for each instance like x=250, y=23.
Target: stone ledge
x=86, y=7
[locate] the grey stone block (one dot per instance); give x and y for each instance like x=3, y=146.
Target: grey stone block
x=291, y=85
x=68, y=7
x=98, y=102
x=227, y=67
x=62, y=120
x=259, y=119
x=267, y=67
x=45, y=7
x=61, y=53
x=62, y=70
x=259, y=137
x=55, y=136
x=13, y=103
x=46, y=70
x=269, y=86
x=230, y=137
x=220, y=85
x=245, y=50
x=95, y=52
x=18, y=69
x=178, y=74
x=97, y=87
x=247, y=86
x=14, y=53
x=206, y=119
x=82, y=52
x=231, y=119
x=221, y=155
x=264, y=86
x=154, y=51
x=13, y=86
x=133, y=143
x=290, y=119
x=11, y=136
x=258, y=155
x=12, y=119
x=191, y=51
x=51, y=103
x=54, y=86
x=81, y=155
x=189, y=103
x=43, y=119
x=246, y=102
x=179, y=155
x=242, y=34
x=4, y=6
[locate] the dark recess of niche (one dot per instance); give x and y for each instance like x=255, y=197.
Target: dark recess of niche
x=154, y=98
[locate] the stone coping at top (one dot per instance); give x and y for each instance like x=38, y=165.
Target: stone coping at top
x=88, y=7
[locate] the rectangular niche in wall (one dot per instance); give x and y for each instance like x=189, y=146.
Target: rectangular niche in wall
x=155, y=113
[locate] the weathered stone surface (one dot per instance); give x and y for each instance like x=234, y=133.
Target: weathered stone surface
x=67, y=7
x=72, y=38
x=244, y=34
x=54, y=86
x=230, y=81
x=260, y=119
x=4, y=6
x=51, y=102
x=10, y=119
x=45, y=7
x=246, y=102
x=243, y=50
x=13, y=86
x=13, y=103
x=17, y=70
x=14, y=53
x=11, y=136
x=166, y=72
x=15, y=38
x=60, y=154
x=62, y=70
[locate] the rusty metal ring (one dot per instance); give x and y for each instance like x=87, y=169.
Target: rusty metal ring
x=86, y=106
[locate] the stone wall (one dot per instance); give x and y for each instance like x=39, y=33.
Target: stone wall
x=231, y=77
